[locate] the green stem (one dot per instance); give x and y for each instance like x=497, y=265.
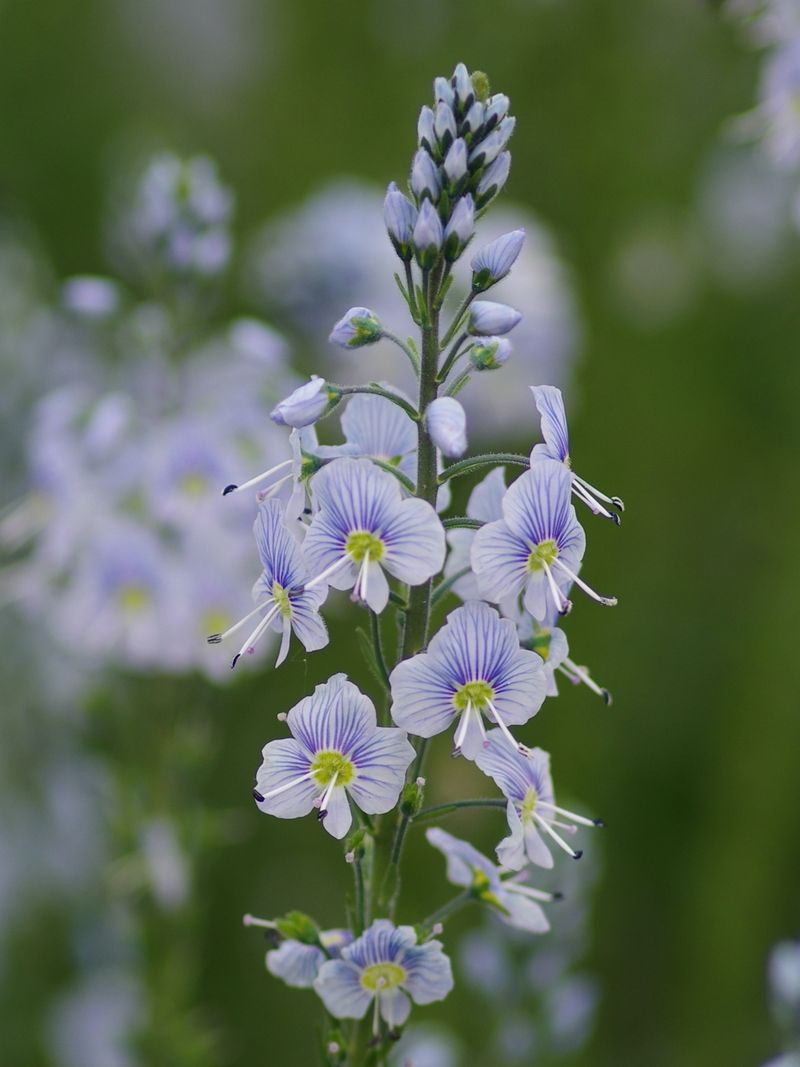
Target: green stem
x=412, y=299
x=360, y=901
x=404, y=347
x=462, y=522
x=448, y=909
x=391, y=469
x=376, y=390
x=447, y=809
x=448, y=337
x=452, y=356
x=444, y=587
x=488, y=459
x=377, y=641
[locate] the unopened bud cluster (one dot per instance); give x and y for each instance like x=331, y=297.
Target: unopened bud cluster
x=461, y=164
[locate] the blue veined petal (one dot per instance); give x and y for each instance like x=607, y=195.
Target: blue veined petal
x=356, y=494
x=382, y=942
x=377, y=588
x=511, y=850
x=324, y=545
x=537, y=507
x=471, y=740
x=307, y=623
x=537, y=599
x=429, y=976
x=523, y=913
x=458, y=559
x=415, y=542
x=379, y=427
x=500, y=561
x=422, y=696
x=535, y=847
x=506, y=766
x=486, y=499
x=336, y=717
x=462, y=859
x=295, y=963
x=381, y=761
x=395, y=1007
x=550, y=404
x=285, y=762
x=280, y=553
x=338, y=985
x=337, y=818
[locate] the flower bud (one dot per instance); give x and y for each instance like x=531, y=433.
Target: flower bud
x=487, y=318
x=443, y=92
x=455, y=163
x=460, y=228
x=428, y=235
x=446, y=422
x=426, y=134
x=305, y=405
x=496, y=110
x=424, y=177
x=494, y=261
x=444, y=125
x=474, y=118
x=487, y=150
x=492, y=180
x=462, y=85
x=399, y=215
x=490, y=354
x=357, y=327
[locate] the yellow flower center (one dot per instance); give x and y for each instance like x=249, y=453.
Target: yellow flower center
x=362, y=544
x=545, y=552
x=478, y=694
x=379, y=977
x=541, y=643
x=194, y=484
x=215, y=621
x=528, y=804
x=328, y=764
x=133, y=598
x=281, y=598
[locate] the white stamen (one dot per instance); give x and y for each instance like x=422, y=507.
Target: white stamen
x=594, y=505
x=360, y=588
x=582, y=819
x=271, y=490
x=522, y=749
x=251, y=920
x=578, y=674
x=326, y=796
x=528, y=891
x=461, y=732
x=559, y=840
x=287, y=786
x=328, y=572
x=615, y=500
x=256, y=634
x=607, y=601
x=215, y=639
x=376, y=1017
x=563, y=606
x=259, y=478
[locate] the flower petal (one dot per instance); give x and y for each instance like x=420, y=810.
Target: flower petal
x=338, y=986
x=511, y=850
x=337, y=818
x=500, y=561
x=395, y=1007
x=381, y=761
x=415, y=542
x=307, y=623
x=462, y=859
x=283, y=761
x=336, y=717
x=422, y=696
x=550, y=404
x=295, y=964
x=429, y=976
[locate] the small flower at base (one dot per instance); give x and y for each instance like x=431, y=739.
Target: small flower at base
x=399, y=216
x=446, y=422
x=492, y=180
x=357, y=327
x=459, y=230
x=425, y=177
x=411, y=799
x=490, y=354
x=306, y=405
x=428, y=235
x=492, y=263
x=488, y=318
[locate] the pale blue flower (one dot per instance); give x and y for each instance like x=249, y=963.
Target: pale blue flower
x=474, y=118
x=492, y=263
x=387, y=968
x=297, y=964
x=525, y=781
x=486, y=504
x=305, y=405
x=399, y=216
x=490, y=353
x=374, y=426
x=428, y=235
x=336, y=750
x=517, y=904
x=283, y=601
x=425, y=182
x=91, y=297
x=784, y=976
x=496, y=109
x=489, y=148
x=538, y=545
x=443, y=92
x=492, y=180
x=474, y=666
x=487, y=318
x=455, y=163
x=446, y=423
x=550, y=404
x=459, y=230
x=357, y=327
x=363, y=525
x=462, y=85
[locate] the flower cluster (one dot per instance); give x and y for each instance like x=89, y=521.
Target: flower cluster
x=365, y=515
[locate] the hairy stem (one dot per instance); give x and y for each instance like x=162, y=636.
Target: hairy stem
x=488, y=459
x=448, y=909
x=447, y=809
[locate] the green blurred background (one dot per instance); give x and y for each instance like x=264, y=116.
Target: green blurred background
x=687, y=406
